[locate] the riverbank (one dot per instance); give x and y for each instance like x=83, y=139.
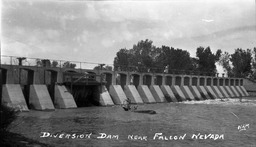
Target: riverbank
x=17, y=140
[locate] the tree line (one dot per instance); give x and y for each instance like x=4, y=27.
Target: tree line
x=145, y=57
x=48, y=63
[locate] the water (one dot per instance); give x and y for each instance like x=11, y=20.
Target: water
x=172, y=119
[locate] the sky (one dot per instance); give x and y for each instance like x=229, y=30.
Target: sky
x=94, y=31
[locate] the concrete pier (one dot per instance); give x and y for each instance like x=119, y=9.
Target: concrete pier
x=223, y=91
x=229, y=91
x=210, y=92
x=13, y=97
x=188, y=94
x=203, y=92
x=233, y=89
x=157, y=93
x=63, y=98
x=239, y=90
x=169, y=95
x=145, y=94
x=39, y=98
x=217, y=92
x=244, y=90
x=117, y=94
x=132, y=93
x=178, y=93
x=105, y=98
x=196, y=93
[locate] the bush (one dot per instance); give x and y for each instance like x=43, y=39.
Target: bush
x=8, y=115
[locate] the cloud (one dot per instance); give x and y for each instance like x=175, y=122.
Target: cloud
x=107, y=42
x=85, y=36
x=91, y=13
x=226, y=33
x=86, y=29
x=15, y=48
x=52, y=34
x=207, y=20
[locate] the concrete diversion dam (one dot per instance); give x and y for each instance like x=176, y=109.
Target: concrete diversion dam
x=48, y=88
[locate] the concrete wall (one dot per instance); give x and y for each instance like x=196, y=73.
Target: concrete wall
x=125, y=77
x=181, y=87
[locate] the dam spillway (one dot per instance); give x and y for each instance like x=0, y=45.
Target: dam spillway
x=43, y=88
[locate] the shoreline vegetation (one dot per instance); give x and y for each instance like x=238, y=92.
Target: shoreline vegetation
x=17, y=140
x=10, y=139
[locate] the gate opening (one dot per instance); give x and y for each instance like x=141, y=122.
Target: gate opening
x=108, y=79
x=86, y=95
x=3, y=76
x=85, y=88
x=147, y=80
x=26, y=77
x=135, y=80
x=50, y=79
x=158, y=80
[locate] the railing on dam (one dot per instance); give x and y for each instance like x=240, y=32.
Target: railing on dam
x=25, y=61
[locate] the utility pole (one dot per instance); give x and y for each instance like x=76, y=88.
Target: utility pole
x=20, y=59
x=101, y=67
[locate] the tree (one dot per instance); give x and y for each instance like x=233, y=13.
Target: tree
x=224, y=61
x=253, y=76
x=121, y=61
x=207, y=60
x=43, y=62
x=241, y=61
x=177, y=59
x=140, y=58
x=39, y=62
x=143, y=56
x=46, y=62
x=67, y=64
x=54, y=64
x=107, y=67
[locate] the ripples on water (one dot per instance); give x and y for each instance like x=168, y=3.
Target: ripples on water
x=171, y=119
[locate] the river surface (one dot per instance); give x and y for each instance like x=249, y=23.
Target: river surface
x=174, y=124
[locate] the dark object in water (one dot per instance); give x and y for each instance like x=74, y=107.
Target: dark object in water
x=146, y=111
x=130, y=108
x=126, y=109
